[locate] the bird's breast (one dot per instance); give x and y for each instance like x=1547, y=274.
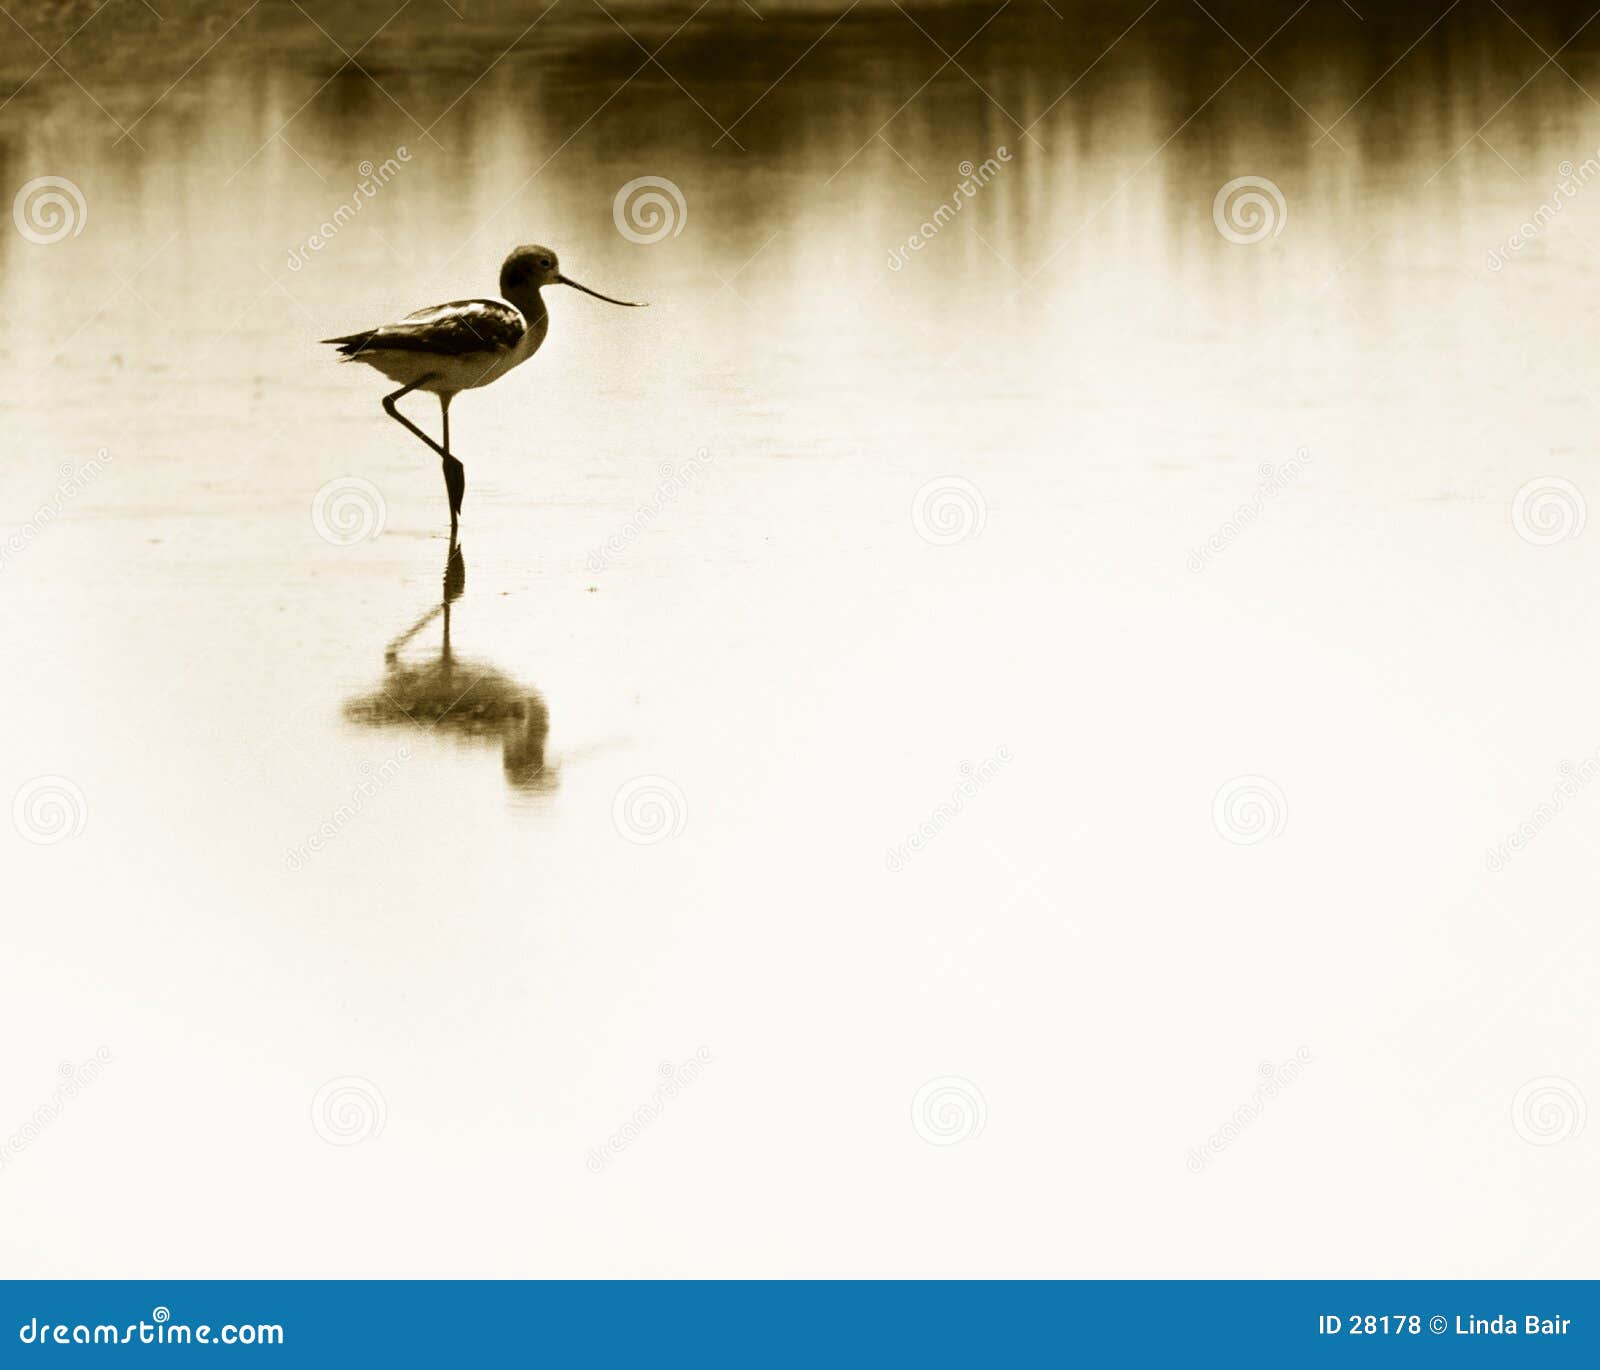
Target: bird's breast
x=533, y=335
x=510, y=357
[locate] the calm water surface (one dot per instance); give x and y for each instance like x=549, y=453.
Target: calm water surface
x=325, y=840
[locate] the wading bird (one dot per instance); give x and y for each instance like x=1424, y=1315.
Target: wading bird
x=463, y=345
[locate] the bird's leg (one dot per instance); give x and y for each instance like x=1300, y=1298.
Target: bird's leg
x=398, y=417
x=455, y=474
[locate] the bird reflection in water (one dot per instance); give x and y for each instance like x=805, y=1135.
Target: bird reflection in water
x=456, y=695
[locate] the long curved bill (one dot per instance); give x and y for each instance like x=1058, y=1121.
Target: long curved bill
x=631, y=304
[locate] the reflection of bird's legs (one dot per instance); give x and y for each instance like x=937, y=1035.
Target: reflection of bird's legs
x=455, y=573
x=455, y=584
x=392, y=651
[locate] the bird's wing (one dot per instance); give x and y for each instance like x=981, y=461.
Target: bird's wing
x=450, y=330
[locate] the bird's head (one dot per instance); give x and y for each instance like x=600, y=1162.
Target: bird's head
x=530, y=267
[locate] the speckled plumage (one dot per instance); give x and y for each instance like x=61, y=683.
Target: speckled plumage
x=452, y=329
x=448, y=348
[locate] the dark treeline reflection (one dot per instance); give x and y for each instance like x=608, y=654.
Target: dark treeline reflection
x=443, y=80
x=779, y=133
x=460, y=697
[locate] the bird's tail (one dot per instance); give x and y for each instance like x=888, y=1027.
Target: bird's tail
x=350, y=344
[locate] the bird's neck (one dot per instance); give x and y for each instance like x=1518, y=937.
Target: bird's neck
x=529, y=303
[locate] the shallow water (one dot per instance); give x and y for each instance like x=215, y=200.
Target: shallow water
x=721, y=650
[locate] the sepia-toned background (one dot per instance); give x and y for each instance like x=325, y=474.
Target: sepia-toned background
x=1033, y=715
